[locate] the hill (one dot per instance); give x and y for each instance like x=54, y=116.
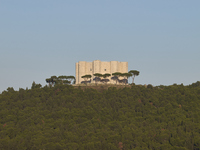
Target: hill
x=65, y=117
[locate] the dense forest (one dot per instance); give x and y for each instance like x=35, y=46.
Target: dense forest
x=64, y=117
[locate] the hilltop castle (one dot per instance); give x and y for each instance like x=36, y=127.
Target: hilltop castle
x=97, y=66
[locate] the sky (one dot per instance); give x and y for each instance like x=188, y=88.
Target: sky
x=41, y=38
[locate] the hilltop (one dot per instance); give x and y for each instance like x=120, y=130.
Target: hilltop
x=134, y=117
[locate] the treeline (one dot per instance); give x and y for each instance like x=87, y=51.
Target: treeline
x=66, y=118
x=60, y=80
x=103, y=78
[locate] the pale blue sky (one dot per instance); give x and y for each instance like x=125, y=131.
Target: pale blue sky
x=42, y=38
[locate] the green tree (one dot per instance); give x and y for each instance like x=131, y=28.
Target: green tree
x=126, y=75
x=34, y=85
x=86, y=77
x=97, y=77
x=71, y=78
x=62, y=78
x=134, y=73
x=105, y=77
x=54, y=80
x=116, y=76
x=48, y=80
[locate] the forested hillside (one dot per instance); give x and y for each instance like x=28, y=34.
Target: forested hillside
x=67, y=118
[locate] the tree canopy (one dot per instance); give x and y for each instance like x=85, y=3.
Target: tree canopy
x=116, y=76
x=62, y=79
x=86, y=77
x=65, y=117
x=134, y=73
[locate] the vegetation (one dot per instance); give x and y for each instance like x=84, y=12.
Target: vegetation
x=66, y=118
x=133, y=74
x=126, y=75
x=116, y=76
x=102, y=78
x=60, y=80
x=86, y=77
x=97, y=77
x=105, y=77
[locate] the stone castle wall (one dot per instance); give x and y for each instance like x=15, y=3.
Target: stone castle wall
x=97, y=66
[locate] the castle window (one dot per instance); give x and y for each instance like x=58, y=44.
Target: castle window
x=90, y=69
x=105, y=69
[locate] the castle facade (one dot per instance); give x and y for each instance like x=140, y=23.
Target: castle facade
x=97, y=66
